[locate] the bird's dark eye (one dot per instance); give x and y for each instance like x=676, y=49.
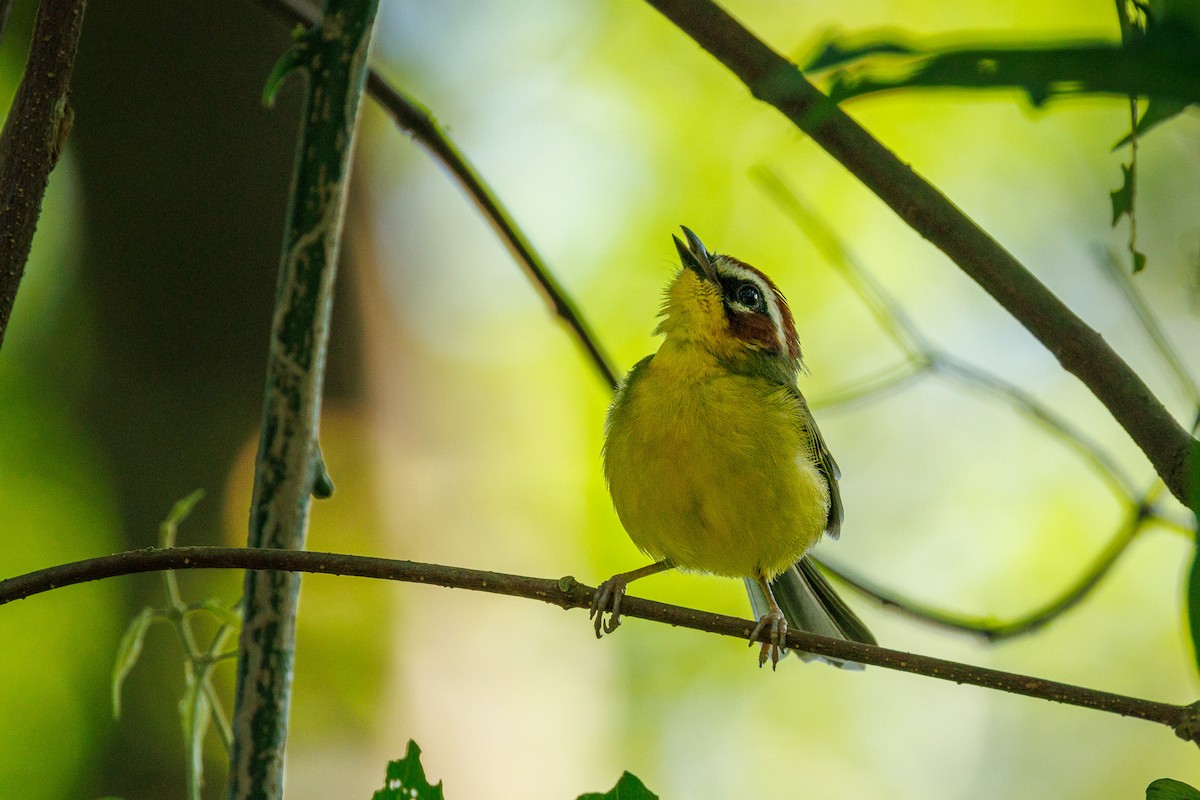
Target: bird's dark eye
x=749, y=295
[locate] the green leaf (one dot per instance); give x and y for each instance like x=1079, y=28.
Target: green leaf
x=128, y=652
x=294, y=58
x=1122, y=199
x=1168, y=789
x=1193, y=604
x=837, y=55
x=1160, y=63
x=405, y=779
x=1139, y=261
x=178, y=513
x=628, y=788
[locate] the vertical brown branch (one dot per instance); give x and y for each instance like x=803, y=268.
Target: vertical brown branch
x=34, y=133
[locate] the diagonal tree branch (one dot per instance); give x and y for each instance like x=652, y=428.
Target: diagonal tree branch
x=568, y=593
x=420, y=123
x=33, y=137
x=1079, y=349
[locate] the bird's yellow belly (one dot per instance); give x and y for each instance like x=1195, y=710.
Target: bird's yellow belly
x=713, y=472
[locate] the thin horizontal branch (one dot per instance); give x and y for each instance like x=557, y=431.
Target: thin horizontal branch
x=1079, y=349
x=568, y=593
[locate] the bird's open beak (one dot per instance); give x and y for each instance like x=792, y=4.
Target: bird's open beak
x=695, y=257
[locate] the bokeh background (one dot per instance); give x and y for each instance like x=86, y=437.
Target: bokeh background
x=463, y=426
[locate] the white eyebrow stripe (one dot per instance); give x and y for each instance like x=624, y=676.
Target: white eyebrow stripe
x=727, y=267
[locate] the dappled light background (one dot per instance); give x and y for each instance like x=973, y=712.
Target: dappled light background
x=463, y=426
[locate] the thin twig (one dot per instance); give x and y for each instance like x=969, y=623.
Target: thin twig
x=568, y=593
x=199, y=663
x=876, y=386
x=1104, y=465
x=886, y=310
x=1150, y=324
x=1078, y=348
x=414, y=118
x=215, y=654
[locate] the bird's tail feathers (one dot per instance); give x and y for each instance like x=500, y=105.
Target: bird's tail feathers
x=810, y=603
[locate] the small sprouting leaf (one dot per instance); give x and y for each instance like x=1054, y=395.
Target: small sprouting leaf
x=628, y=787
x=1139, y=261
x=292, y=59
x=405, y=779
x=1122, y=199
x=175, y=517
x=322, y=488
x=128, y=652
x=1168, y=789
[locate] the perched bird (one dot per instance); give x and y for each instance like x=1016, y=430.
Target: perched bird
x=714, y=461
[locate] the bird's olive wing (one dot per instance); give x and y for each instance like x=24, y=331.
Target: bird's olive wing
x=825, y=465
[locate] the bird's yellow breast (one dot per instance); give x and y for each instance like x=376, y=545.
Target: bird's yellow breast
x=712, y=469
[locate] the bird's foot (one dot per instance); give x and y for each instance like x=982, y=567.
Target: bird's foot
x=612, y=590
x=776, y=626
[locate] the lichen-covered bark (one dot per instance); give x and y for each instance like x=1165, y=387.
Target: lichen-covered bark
x=334, y=56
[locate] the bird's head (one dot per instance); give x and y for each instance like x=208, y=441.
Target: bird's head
x=730, y=309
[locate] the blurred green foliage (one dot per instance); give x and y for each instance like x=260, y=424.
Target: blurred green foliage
x=1159, y=62
x=463, y=427
x=57, y=505
x=1156, y=60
